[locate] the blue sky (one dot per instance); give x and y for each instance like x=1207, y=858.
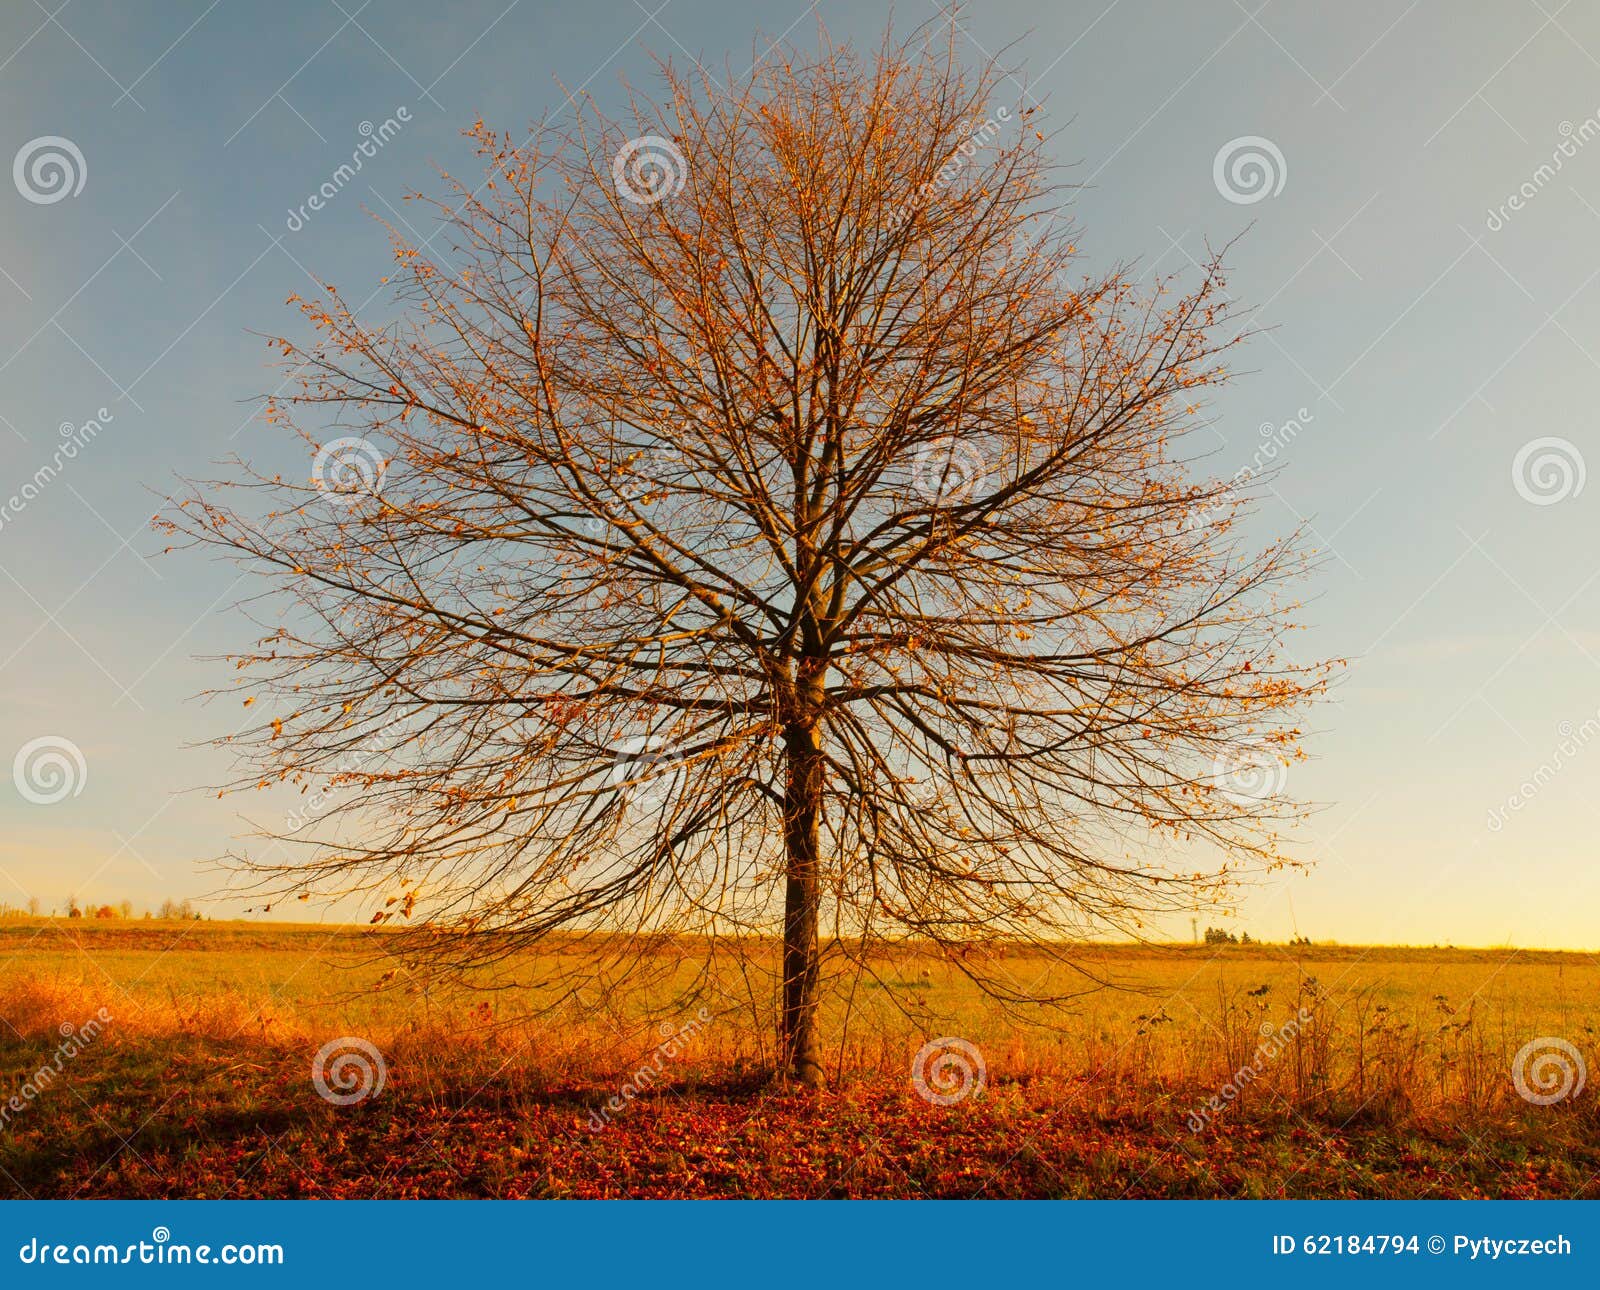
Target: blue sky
x=1429, y=327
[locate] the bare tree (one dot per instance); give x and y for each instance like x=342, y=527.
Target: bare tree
x=755, y=522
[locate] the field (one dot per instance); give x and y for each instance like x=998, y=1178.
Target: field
x=154, y=1059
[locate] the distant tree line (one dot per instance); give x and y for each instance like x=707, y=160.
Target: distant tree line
x=1221, y=936
x=34, y=908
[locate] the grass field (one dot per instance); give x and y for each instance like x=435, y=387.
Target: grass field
x=176, y=1059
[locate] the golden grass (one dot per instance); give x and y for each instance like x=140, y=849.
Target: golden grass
x=1381, y=1032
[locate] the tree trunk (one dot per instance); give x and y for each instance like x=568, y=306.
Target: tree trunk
x=802, y=900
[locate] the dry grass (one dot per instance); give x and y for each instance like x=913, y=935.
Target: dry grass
x=1390, y=1029
x=1389, y=1043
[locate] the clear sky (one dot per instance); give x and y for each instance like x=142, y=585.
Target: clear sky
x=1425, y=329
